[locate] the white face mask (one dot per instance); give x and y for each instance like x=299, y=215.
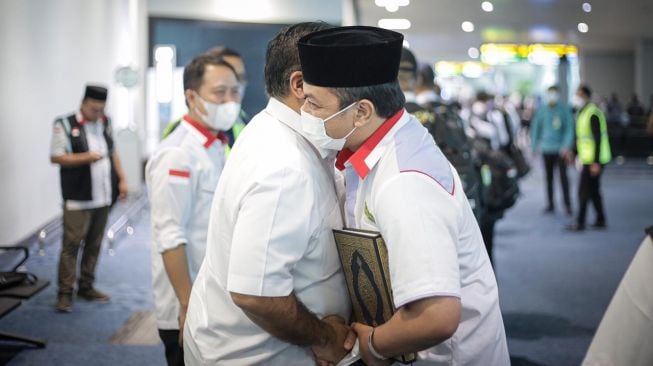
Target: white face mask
x=578, y=102
x=552, y=97
x=479, y=109
x=315, y=131
x=220, y=117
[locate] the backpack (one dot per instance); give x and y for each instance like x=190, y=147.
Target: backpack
x=448, y=131
x=500, y=179
x=514, y=152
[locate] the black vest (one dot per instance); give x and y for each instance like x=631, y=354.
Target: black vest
x=76, y=181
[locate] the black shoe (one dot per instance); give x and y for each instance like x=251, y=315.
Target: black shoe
x=599, y=225
x=64, y=303
x=549, y=210
x=569, y=212
x=575, y=227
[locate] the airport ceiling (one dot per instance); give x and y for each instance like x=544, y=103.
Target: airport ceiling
x=436, y=25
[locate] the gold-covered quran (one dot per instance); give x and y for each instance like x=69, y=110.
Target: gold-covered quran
x=364, y=259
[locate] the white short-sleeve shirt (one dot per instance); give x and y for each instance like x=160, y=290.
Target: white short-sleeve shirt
x=181, y=177
x=400, y=184
x=100, y=170
x=270, y=234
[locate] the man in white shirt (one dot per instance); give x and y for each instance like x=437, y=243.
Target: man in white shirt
x=399, y=183
x=271, y=290
x=181, y=176
x=91, y=180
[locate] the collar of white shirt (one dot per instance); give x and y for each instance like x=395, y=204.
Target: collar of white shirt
x=369, y=153
x=426, y=97
x=410, y=97
x=201, y=133
x=284, y=114
x=81, y=120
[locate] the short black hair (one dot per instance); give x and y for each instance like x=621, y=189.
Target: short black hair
x=408, y=61
x=426, y=75
x=282, y=57
x=483, y=96
x=387, y=98
x=194, y=70
x=221, y=51
x=585, y=90
x=553, y=88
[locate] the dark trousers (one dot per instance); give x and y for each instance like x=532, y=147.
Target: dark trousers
x=174, y=352
x=589, y=190
x=550, y=161
x=80, y=225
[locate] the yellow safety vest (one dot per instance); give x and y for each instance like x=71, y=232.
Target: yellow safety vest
x=236, y=129
x=585, y=143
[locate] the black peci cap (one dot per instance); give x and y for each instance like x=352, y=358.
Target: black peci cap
x=96, y=92
x=350, y=56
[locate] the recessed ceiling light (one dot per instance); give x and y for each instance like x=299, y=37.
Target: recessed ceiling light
x=392, y=7
x=583, y=27
x=394, y=23
x=487, y=6
x=468, y=26
x=473, y=52
x=587, y=7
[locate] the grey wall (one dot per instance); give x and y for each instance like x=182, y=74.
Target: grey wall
x=644, y=70
x=50, y=49
x=608, y=72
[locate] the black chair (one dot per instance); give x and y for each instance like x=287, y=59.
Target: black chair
x=18, y=286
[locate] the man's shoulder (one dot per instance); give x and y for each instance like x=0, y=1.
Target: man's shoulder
x=170, y=150
x=268, y=146
x=64, y=117
x=414, y=154
x=270, y=135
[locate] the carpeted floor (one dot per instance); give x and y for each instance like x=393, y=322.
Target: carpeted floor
x=83, y=337
x=554, y=285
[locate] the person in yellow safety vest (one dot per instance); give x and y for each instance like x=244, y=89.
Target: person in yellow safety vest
x=593, y=149
x=236, y=61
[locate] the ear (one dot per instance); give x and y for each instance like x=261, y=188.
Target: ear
x=365, y=111
x=191, y=100
x=296, y=85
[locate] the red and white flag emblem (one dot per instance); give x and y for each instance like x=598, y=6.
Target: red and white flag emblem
x=179, y=176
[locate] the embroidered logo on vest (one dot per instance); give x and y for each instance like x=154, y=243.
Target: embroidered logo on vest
x=368, y=214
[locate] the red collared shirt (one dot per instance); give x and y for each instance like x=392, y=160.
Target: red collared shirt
x=210, y=138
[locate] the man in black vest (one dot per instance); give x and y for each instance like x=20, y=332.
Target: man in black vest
x=91, y=180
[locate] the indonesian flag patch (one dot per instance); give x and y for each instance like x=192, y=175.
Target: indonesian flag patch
x=179, y=176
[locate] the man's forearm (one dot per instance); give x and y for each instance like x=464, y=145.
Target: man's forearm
x=73, y=159
x=176, y=267
x=117, y=165
x=285, y=318
x=418, y=326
